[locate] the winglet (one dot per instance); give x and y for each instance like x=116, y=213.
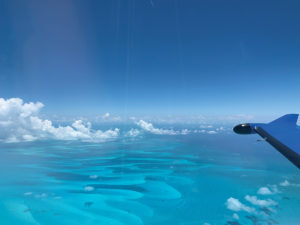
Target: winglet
x=286, y=120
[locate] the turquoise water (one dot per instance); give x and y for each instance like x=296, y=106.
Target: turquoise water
x=152, y=179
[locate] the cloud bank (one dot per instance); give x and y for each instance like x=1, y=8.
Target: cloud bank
x=20, y=121
x=151, y=129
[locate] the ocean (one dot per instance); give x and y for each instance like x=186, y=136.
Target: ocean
x=192, y=179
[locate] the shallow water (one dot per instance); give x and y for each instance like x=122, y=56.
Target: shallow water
x=178, y=180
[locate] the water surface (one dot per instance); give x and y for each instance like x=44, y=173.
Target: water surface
x=151, y=180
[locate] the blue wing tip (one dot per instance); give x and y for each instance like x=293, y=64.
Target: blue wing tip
x=290, y=119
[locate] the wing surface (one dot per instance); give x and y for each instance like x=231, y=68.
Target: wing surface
x=284, y=135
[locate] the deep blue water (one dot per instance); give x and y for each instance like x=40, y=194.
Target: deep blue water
x=151, y=180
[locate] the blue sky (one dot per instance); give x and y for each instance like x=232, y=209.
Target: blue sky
x=152, y=56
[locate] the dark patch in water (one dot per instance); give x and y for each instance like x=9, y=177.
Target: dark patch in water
x=26, y=183
x=273, y=221
x=256, y=221
x=151, y=178
x=88, y=204
x=27, y=210
x=232, y=223
x=121, y=187
x=266, y=211
x=76, y=177
x=120, y=170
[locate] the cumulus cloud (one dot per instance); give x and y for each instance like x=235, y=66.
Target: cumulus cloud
x=133, y=133
x=20, y=121
x=106, y=115
x=150, y=128
x=15, y=106
x=259, y=202
x=264, y=191
x=285, y=183
x=268, y=191
x=235, y=205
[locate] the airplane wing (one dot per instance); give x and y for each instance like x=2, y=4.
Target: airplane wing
x=283, y=134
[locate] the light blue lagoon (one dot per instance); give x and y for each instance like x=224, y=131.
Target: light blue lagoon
x=191, y=179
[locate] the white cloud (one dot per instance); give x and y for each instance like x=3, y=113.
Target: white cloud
x=208, y=131
x=259, y=202
x=206, y=126
x=211, y=132
x=43, y=195
x=235, y=205
x=264, y=191
x=89, y=188
x=133, y=133
x=94, y=176
x=19, y=121
x=28, y=137
x=199, y=131
x=285, y=183
x=220, y=129
x=185, y=131
x=268, y=191
x=15, y=106
x=150, y=128
x=235, y=216
x=28, y=193
x=106, y=115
